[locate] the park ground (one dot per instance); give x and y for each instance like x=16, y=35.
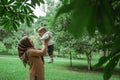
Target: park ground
x=11, y=68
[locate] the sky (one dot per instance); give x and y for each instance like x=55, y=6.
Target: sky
x=39, y=11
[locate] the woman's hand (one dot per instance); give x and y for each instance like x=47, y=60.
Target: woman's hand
x=46, y=41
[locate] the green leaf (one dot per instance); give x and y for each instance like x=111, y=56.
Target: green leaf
x=34, y=2
x=100, y=18
x=110, y=16
x=21, y=18
x=30, y=5
x=33, y=16
x=6, y=25
x=29, y=9
x=105, y=17
x=37, y=2
x=42, y=1
x=90, y=15
x=80, y=17
x=14, y=26
x=91, y=27
x=17, y=23
x=25, y=10
x=64, y=9
x=110, y=67
x=102, y=60
x=115, y=48
x=31, y=19
x=4, y=1
x=28, y=21
x=11, y=1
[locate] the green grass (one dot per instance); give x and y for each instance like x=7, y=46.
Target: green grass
x=11, y=68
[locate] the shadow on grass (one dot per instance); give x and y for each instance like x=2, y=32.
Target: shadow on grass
x=85, y=69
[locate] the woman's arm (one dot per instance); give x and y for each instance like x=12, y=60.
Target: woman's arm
x=36, y=52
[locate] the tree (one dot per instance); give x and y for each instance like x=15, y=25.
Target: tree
x=85, y=44
x=92, y=15
x=9, y=39
x=95, y=15
x=16, y=12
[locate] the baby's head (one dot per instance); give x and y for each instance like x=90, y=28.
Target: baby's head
x=41, y=31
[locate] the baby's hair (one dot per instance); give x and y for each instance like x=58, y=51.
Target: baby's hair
x=41, y=28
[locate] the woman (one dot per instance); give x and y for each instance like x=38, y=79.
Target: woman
x=29, y=55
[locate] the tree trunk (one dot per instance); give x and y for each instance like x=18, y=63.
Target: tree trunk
x=89, y=58
x=70, y=59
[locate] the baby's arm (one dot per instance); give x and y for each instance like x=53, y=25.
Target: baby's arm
x=45, y=36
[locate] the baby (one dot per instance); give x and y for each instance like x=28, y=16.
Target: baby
x=44, y=34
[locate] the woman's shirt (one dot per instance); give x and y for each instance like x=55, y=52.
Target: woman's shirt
x=36, y=64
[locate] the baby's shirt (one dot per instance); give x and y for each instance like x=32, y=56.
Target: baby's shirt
x=46, y=36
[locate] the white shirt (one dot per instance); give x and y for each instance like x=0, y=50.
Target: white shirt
x=45, y=36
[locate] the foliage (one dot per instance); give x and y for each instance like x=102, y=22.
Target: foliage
x=82, y=17
x=10, y=39
x=13, y=13
x=95, y=15
x=67, y=43
x=2, y=47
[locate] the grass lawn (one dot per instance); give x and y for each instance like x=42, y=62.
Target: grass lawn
x=11, y=68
